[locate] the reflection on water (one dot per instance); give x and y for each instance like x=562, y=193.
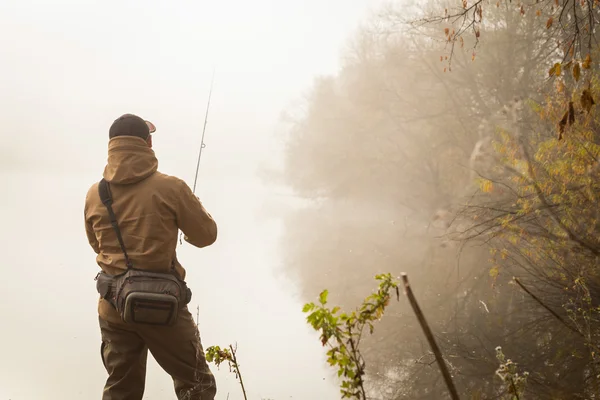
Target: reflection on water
x=50, y=345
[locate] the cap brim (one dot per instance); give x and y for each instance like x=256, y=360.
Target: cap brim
x=151, y=126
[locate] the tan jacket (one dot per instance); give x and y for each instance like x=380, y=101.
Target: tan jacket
x=150, y=207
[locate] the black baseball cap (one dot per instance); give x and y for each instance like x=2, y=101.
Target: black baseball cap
x=131, y=125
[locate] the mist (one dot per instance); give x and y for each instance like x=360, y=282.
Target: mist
x=344, y=140
x=69, y=68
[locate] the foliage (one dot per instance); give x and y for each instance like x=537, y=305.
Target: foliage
x=547, y=226
x=343, y=332
x=217, y=356
x=389, y=141
x=463, y=180
x=571, y=26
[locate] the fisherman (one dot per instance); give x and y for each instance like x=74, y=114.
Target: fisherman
x=150, y=208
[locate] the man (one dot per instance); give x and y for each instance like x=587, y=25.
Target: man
x=150, y=208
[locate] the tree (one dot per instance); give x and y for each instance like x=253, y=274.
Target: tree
x=385, y=149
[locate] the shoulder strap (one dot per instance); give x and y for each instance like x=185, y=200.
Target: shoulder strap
x=106, y=197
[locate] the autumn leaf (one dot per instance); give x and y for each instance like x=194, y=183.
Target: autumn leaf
x=538, y=12
x=587, y=101
x=555, y=70
x=587, y=62
x=576, y=72
x=568, y=119
x=494, y=272
x=571, y=113
x=549, y=23
x=446, y=31
x=487, y=186
x=562, y=124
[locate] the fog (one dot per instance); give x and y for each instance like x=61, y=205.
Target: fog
x=68, y=69
x=345, y=140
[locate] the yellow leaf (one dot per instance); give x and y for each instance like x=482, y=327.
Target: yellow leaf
x=587, y=62
x=576, y=72
x=494, y=271
x=555, y=70
x=487, y=186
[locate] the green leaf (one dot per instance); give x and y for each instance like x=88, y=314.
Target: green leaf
x=323, y=297
x=308, y=307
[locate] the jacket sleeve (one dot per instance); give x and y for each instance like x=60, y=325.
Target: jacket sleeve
x=89, y=230
x=92, y=237
x=197, y=225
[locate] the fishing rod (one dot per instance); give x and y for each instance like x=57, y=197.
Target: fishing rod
x=202, y=144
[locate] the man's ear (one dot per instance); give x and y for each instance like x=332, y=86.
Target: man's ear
x=149, y=141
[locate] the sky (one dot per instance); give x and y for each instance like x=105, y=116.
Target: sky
x=68, y=69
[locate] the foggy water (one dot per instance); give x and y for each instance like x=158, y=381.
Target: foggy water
x=68, y=69
x=50, y=347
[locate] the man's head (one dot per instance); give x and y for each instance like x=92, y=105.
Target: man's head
x=132, y=125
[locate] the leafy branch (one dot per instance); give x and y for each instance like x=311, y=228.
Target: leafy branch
x=572, y=24
x=342, y=332
x=217, y=356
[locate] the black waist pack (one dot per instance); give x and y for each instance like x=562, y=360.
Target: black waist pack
x=141, y=297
